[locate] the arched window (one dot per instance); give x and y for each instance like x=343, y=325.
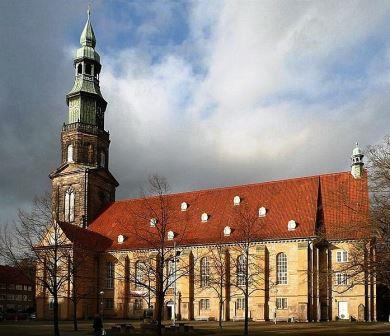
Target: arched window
x=241, y=270
x=102, y=159
x=80, y=69
x=139, y=274
x=204, y=272
x=70, y=153
x=281, y=269
x=69, y=205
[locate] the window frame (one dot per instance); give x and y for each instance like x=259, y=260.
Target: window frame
x=204, y=304
x=204, y=272
x=281, y=303
x=139, y=274
x=110, y=270
x=171, y=276
x=342, y=256
x=69, y=154
x=281, y=269
x=69, y=205
x=341, y=279
x=240, y=270
x=240, y=303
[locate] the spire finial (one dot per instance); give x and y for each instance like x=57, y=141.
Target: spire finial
x=87, y=36
x=357, y=144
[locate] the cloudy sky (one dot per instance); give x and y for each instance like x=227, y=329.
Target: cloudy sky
x=206, y=93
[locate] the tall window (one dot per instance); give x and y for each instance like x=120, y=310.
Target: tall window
x=171, y=277
x=69, y=205
x=204, y=272
x=281, y=269
x=241, y=270
x=69, y=157
x=109, y=275
x=139, y=274
x=342, y=256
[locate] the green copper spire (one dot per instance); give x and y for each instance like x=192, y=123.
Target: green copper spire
x=87, y=38
x=85, y=101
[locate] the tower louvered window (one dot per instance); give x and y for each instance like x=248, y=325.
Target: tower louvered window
x=69, y=205
x=281, y=269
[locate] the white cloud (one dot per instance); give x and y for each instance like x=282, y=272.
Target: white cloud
x=232, y=122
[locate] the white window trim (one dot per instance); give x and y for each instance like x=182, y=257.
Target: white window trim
x=280, y=303
x=281, y=276
x=342, y=254
x=341, y=279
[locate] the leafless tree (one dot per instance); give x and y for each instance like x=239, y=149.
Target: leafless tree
x=247, y=261
x=212, y=273
x=41, y=240
x=161, y=260
x=379, y=182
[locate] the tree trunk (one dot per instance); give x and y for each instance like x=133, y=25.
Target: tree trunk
x=160, y=306
x=246, y=322
x=75, y=327
x=246, y=293
x=220, y=313
x=55, y=316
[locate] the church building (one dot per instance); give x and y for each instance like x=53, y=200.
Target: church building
x=304, y=239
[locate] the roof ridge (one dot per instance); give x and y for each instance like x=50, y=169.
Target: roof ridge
x=234, y=186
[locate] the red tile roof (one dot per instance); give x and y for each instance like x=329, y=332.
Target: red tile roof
x=339, y=200
x=85, y=238
x=13, y=275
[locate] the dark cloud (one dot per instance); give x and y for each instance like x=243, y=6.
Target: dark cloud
x=159, y=113
x=35, y=74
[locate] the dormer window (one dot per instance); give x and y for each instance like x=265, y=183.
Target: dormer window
x=70, y=153
x=262, y=212
x=292, y=225
x=236, y=200
x=204, y=217
x=227, y=231
x=153, y=222
x=121, y=239
x=184, y=206
x=170, y=235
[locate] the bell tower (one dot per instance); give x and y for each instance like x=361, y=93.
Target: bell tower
x=83, y=185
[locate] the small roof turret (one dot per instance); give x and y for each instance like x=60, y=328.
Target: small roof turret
x=357, y=162
x=357, y=150
x=87, y=38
